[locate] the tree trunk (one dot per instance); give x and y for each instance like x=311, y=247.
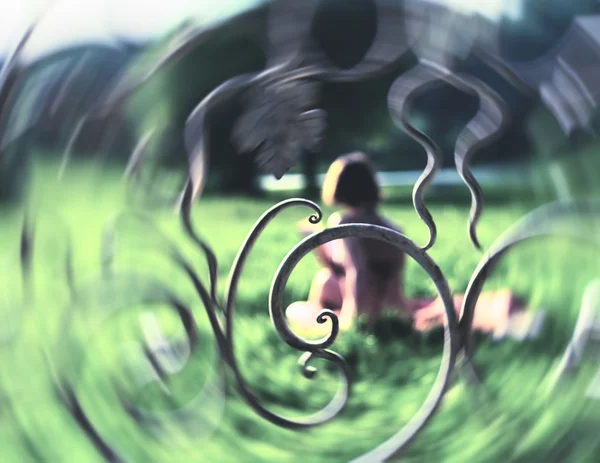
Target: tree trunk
x=309, y=170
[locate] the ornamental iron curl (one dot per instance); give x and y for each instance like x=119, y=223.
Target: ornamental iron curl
x=420, y=419
x=287, y=92
x=297, y=61
x=484, y=128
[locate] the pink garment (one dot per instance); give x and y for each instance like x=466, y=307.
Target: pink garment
x=492, y=314
x=492, y=311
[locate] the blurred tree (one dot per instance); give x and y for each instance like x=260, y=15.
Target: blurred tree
x=358, y=117
x=171, y=94
x=310, y=170
x=14, y=169
x=55, y=93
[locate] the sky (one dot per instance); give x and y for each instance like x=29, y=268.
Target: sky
x=71, y=22
x=67, y=22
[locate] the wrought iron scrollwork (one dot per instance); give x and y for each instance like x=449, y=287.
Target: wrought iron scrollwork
x=316, y=350
x=66, y=374
x=483, y=129
x=305, y=66
x=402, y=437
x=282, y=114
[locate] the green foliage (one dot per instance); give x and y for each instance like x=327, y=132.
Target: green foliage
x=509, y=419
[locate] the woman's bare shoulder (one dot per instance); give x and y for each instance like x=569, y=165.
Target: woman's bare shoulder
x=335, y=219
x=339, y=218
x=391, y=224
x=345, y=219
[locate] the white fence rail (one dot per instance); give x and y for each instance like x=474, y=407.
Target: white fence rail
x=488, y=176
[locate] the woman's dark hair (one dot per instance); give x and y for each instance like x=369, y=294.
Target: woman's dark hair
x=351, y=181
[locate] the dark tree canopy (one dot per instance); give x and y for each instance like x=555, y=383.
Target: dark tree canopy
x=358, y=117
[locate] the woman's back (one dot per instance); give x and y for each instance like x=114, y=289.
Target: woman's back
x=379, y=264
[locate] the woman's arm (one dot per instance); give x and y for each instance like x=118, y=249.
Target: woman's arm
x=355, y=291
x=399, y=296
x=323, y=253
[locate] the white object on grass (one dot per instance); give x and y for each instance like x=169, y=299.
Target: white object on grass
x=587, y=329
x=167, y=357
x=521, y=326
x=171, y=357
x=593, y=391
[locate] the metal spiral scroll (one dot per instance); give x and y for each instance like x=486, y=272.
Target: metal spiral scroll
x=315, y=349
x=406, y=434
x=319, y=349
x=401, y=94
x=483, y=129
x=67, y=358
x=295, y=61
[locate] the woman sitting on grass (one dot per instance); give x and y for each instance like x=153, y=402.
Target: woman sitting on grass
x=365, y=276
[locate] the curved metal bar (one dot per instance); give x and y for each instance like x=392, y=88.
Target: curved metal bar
x=27, y=246
x=503, y=69
x=440, y=33
x=67, y=395
x=318, y=349
x=486, y=127
x=244, y=252
x=208, y=298
x=212, y=391
x=68, y=151
x=211, y=259
x=546, y=76
x=139, y=153
x=290, y=32
x=390, y=44
x=289, y=27
x=391, y=447
x=383, y=54
x=339, y=400
x=121, y=93
x=403, y=91
x=340, y=232
x=542, y=222
x=157, y=424
x=26, y=250
x=25, y=260
x=196, y=136
x=528, y=75
x=10, y=70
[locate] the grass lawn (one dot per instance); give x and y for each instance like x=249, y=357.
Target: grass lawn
x=90, y=334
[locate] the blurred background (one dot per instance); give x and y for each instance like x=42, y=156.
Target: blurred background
x=93, y=160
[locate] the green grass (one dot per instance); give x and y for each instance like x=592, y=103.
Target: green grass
x=511, y=418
